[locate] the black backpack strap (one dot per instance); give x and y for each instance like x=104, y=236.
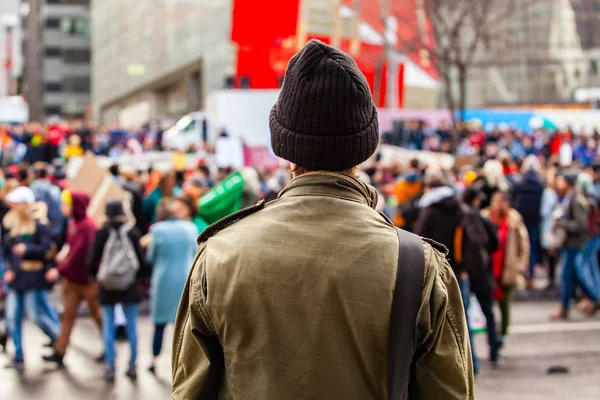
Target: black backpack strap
x=405, y=307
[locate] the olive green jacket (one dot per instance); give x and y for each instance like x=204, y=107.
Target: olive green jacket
x=293, y=302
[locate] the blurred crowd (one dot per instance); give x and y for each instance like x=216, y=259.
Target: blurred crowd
x=515, y=207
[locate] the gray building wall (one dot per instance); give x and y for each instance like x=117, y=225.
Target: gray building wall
x=9, y=15
x=167, y=53
x=56, y=43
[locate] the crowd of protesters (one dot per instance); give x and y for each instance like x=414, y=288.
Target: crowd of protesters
x=526, y=202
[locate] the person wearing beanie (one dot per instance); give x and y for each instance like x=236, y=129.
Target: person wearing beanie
x=77, y=283
x=293, y=298
x=572, y=216
x=129, y=298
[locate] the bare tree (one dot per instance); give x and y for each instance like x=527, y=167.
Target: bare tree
x=459, y=28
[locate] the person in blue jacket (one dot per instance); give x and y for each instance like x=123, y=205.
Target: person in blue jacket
x=171, y=253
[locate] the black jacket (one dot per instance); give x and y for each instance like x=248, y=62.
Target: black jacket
x=30, y=270
x=439, y=217
x=527, y=198
x=132, y=294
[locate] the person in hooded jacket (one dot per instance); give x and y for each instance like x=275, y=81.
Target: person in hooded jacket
x=439, y=215
x=128, y=298
x=77, y=285
x=439, y=219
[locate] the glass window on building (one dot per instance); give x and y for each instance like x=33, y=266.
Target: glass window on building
x=76, y=56
x=75, y=2
x=53, y=87
x=52, y=23
x=52, y=110
x=72, y=109
x=76, y=84
x=75, y=26
x=53, y=51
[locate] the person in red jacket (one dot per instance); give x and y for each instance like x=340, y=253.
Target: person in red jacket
x=78, y=285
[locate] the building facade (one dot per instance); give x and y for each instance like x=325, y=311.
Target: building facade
x=158, y=58
x=10, y=49
x=542, y=55
x=161, y=58
x=57, y=54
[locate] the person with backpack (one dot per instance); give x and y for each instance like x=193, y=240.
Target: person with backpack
x=117, y=263
x=171, y=253
x=446, y=220
x=511, y=259
x=316, y=295
x=77, y=284
x=26, y=240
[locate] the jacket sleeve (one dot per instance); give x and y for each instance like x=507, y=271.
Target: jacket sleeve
x=548, y=203
x=579, y=222
x=135, y=236
x=492, y=232
x=95, y=255
x=198, y=361
x=442, y=365
x=37, y=250
x=524, y=248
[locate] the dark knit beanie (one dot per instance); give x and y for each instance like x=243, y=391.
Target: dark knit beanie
x=325, y=118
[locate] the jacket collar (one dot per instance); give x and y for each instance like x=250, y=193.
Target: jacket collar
x=331, y=184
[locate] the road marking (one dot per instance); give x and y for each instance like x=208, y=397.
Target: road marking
x=556, y=327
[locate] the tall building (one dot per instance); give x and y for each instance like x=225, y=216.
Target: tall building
x=541, y=55
x=161, y=58
x=10, y=50
x=158, y=58
x=56, y=48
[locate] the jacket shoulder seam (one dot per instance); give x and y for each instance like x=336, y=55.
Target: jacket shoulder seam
x=229, y=220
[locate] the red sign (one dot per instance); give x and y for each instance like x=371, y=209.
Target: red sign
x=260, y=157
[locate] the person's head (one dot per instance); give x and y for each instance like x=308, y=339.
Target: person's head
x=23, y=175
x=325, y=118
x=114, y=170
x=204, y=170
x=21, y=201
x=435, y=179
x=195, y=187
x=183, y=207
x=565, y=181
x=41, y=170
x=500, y=203
x=74, y=204
x=164, y=211
x=473, y=196
x=115, y=211
x=166, y=184
x=493, y=172
x=531, y=163
x=415, y=164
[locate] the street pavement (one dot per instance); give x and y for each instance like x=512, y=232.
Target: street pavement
x=535, y=344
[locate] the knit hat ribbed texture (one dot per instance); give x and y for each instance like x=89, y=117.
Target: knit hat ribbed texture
x=324, y=118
